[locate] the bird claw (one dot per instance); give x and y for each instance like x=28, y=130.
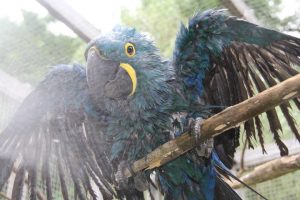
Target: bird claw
x=205, y=148
x=140, y=181
x=195, y=125
x=120, y=178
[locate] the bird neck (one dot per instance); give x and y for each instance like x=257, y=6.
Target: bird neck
x=138, y=127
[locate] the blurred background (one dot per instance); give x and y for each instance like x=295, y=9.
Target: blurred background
x=32, y=40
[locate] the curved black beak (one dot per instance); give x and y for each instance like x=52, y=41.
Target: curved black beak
x=106, y=78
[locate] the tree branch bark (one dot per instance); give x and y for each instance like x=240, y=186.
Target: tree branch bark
x=228, y=118
x=269, y=170
x=4, y=196
x=61, y=10
x=240, y=9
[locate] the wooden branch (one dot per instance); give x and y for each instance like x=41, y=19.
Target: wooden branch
x=13, y=88
x=4, y=196
x=40, y=195
x=254, y=157
x=228, y=118
x=240, y=9
x=269, y=170
x=65, y=13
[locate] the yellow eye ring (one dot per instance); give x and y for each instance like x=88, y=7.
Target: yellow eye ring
x=129, y=49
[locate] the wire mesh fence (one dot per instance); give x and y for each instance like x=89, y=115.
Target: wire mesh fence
x=28, y=48
x=285, y=187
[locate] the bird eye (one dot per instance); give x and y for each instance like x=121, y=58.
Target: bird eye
x=129, y=49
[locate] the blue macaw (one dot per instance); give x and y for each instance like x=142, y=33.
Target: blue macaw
x=88, y=122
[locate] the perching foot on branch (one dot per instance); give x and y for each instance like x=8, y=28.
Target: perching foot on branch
x=203, y=149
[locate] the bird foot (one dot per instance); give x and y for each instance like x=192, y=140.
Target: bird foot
x=195, y=125
x=121, y=179
x=205, y=148
x=140, y=181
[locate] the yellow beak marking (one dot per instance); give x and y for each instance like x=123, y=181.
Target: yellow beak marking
x=131, y=72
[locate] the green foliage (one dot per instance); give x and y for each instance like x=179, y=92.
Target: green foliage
x=284, y=187
x=267, y=10
x=162, y=18
x=28, y=49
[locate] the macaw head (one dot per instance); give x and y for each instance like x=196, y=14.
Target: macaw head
x=125, y=70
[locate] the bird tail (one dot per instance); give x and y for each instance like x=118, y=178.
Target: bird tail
x=222, y=169
x=224, y=191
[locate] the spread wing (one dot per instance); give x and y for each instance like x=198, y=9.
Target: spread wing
x=226, y=60
x=56, y=133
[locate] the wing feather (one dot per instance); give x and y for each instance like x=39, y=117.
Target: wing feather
x=19, y=183
x=235, y=59
x=56, y=127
